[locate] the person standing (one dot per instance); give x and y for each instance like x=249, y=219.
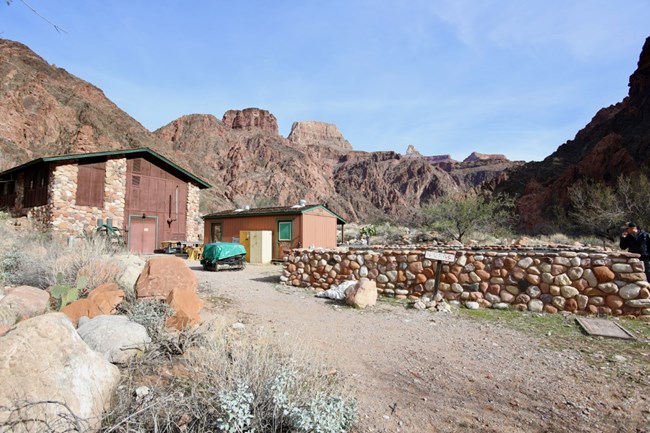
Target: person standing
x=637, y=241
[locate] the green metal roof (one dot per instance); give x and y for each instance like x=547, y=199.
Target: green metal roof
x=272, y=211
x=108, y=154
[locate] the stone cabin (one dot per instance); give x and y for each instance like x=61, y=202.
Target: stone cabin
x=145, y=195
x=299, y=226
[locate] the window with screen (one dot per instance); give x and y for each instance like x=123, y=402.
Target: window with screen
x=215, y=232
x=284, y=230
x=90, y=184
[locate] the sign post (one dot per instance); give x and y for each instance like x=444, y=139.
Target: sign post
x=439, y=258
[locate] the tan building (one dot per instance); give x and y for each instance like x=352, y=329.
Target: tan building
x=146, y=196
x=299, y=226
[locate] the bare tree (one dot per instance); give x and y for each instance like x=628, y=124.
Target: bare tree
x=595, y=208
x=458, y=215
x=600, y=209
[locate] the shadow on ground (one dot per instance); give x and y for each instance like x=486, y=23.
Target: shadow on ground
x=274, y=279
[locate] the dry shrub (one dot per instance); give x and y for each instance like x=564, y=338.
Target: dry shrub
x=30, y=417
x=35, y=259
x=232, y=381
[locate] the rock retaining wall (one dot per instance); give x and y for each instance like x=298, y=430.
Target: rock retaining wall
x=583, y=282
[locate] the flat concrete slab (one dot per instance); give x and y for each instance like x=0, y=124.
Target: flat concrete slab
x=604, y=328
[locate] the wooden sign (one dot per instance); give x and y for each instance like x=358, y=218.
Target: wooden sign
x=443, y=257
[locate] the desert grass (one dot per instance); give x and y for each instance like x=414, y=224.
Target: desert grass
x=35, y=259
x=229, y=380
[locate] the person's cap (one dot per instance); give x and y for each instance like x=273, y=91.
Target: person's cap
x=630, y=225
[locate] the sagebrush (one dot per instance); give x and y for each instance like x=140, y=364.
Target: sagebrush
x=231, y=381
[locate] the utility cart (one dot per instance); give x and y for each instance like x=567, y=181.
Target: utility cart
x=220, y=256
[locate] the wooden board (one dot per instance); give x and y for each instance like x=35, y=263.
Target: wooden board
x=604, y=328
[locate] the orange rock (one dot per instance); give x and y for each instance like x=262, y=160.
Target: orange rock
x=614, y=301
x=187, y=305
x=103, y=300
x=550, y=309
x=603, y=274
x=571, y=305
x=78, y=309
x=450, y=278
x=162, y=274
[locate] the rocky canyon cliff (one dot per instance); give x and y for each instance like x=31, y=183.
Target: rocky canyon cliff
x=615, y=142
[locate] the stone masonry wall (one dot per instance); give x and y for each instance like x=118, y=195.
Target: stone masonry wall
x=193, y=221
x=583, y=282
x=69, y=218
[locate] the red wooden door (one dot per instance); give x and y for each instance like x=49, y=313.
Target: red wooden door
x=142, y=235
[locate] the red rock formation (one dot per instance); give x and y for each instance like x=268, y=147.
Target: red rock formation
x=318, y=134
x=47, y=111
x=476, y=156
x=251, y=119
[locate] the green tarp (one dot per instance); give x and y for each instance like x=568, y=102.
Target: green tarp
x=221, y=250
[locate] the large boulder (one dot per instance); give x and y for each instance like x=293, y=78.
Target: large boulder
x=103, y=300
x=116, y=337
x=26, y=301
x=47, y=368
x=162, y=274
x=187, y=305
x=132, y=267
x=7, y=318
x=362, y=295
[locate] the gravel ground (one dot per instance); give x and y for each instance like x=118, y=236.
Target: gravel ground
x=423, y=371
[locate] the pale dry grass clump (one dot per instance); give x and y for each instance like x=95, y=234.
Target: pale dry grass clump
x=35, y=259
x=230, y=380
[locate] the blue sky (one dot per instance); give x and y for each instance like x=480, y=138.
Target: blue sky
x=447, y=76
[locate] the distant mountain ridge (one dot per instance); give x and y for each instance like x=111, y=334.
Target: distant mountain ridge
x=47, y=111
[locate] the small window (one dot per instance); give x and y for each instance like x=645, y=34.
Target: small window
x=216, y=232
x=136, y=181
x=284, y=230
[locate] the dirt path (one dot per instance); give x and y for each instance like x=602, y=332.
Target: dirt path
x=418, y=371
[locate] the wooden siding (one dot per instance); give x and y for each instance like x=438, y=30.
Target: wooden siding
x=319, y=229
x=91, y=181
x=230, y=227
x=152, y=191
x=36, y=185
x=7, y=194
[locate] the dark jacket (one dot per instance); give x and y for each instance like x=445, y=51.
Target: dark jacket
x=639, y=244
